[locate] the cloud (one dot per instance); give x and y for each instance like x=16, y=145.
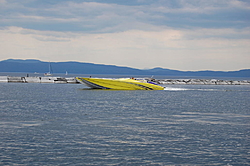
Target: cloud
x=225, y=33
x=95, y=17
x=45, y=19
x=177, y=34
x=136, y=48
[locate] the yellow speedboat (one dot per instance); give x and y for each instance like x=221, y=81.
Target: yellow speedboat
x=119, y=84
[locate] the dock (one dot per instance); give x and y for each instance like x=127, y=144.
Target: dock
x=58, y=80
x=73, y=80
x=202, y=82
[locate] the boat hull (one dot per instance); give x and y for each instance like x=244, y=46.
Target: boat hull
x=118, y=84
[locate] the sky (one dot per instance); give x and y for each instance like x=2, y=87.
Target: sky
x=187, y=35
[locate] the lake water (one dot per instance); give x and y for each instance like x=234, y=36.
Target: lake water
x=67, y=124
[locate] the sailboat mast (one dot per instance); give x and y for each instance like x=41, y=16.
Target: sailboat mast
x=50, y=71
x=49, y=67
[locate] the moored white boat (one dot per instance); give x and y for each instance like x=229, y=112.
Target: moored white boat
x=50, y=71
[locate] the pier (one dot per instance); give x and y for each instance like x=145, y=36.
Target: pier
x=58, y=80
x=72, y=80
x=202, y=82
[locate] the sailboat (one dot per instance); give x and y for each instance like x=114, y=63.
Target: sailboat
x=50, y=71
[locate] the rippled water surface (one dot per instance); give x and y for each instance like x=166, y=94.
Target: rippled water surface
x=62, y=124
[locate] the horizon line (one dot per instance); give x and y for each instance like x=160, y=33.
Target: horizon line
x=128, y=66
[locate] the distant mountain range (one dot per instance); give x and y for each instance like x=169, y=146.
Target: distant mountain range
x=32, y=66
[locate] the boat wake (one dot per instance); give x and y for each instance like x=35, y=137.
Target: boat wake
x=202, y=89
x=186, y=89
x=176, y=89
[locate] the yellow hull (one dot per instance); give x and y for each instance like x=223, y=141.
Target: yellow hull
x=118, y=84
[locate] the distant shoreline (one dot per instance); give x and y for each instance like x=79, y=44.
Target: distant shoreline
x=36, y=66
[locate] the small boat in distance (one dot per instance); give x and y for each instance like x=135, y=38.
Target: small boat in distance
x=50, y=71
x=119, y=84
x=47, y=74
